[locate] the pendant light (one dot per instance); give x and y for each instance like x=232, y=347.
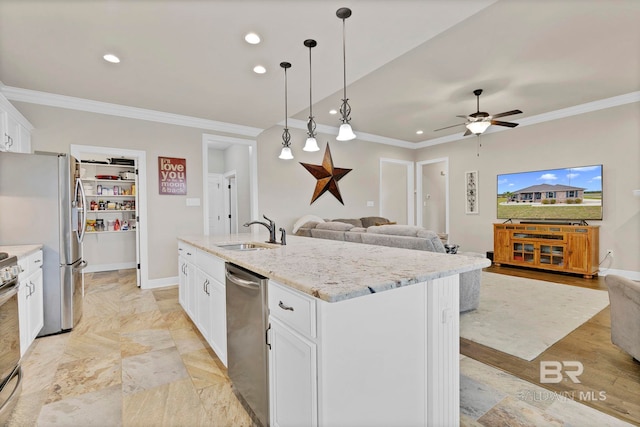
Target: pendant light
x=345, y=133
x=311, y=144
x=285, y=154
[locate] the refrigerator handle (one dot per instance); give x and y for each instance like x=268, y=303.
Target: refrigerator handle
x=83, y=223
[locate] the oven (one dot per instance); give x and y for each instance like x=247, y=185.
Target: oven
x=10, y=373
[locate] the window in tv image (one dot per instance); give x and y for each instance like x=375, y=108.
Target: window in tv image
x=573, y=193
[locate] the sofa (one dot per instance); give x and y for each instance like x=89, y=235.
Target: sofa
x=624, y=296
x=397, y=236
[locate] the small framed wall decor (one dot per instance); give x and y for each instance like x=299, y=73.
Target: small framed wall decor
x=471, y=192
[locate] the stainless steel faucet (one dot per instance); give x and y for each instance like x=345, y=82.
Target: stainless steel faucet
x=271, y=227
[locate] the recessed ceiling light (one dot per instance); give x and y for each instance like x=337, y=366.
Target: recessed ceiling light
x=333, y=111
x=252, y=38
x=259, y=69
x=419, y=132
x=109, y=57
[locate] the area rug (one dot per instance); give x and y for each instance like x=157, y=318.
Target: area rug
x=524, y=317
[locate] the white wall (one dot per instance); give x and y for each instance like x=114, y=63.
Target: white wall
x=286, y=187
x=610, y=137
x=168, y=215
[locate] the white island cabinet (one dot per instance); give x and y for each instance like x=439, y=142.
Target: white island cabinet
x=201, y=292
x=358, y=335
x=373, y=360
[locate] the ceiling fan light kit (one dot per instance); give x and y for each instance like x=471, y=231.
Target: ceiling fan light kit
x=478, y=122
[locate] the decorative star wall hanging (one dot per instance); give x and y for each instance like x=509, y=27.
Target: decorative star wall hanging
x=327, y=176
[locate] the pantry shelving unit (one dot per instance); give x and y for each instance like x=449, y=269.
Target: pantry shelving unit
x=112, y=201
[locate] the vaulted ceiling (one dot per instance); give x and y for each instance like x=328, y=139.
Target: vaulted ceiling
x=411, y=64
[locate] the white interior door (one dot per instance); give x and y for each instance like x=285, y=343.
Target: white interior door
x=216, y=204
x=231, y=202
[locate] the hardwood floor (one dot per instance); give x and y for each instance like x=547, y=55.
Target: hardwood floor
x=611, y=379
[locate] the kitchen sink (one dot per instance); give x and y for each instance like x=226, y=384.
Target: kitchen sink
x=249, y=246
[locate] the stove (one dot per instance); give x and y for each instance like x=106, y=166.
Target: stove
x=9, y=269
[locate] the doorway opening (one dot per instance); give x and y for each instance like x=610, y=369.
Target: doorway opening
x=432, y=189
x=397, y=190
x=230, y=183
x=109, y=248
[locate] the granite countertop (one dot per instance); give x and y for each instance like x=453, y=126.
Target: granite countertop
x=20, y=250
x=333, y=270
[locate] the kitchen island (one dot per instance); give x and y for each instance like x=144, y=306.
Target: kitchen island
x=374, y=338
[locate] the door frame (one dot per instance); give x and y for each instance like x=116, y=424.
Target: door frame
x=142, y=235
x=222, y=142
x=419, y=189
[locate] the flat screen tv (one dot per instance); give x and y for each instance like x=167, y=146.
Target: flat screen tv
x=566, y=194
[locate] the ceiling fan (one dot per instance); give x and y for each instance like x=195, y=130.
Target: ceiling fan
x=479, y=121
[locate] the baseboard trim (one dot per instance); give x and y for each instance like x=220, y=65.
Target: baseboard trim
x=160, y=283
x=629, y=274
x=97, y=268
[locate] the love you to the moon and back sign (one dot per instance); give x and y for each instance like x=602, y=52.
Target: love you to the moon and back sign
x=172, y=175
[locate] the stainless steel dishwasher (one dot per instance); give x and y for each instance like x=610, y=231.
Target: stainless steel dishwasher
x=247, y=353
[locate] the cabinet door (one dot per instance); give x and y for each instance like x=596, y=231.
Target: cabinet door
x=501, y=250
x=203, y=303
x=23, y=315
x=183, y=289
x=11, y=134
x=218, y=329
x=578, y=252
x=190, y=273
x=35, y=305
x=292, y=378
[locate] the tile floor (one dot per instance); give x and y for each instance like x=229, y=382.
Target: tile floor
x=135, y=359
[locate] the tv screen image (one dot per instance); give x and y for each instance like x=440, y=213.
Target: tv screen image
x=573, y=193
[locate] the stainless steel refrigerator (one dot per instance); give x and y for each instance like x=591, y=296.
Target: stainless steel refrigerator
x=42, y=202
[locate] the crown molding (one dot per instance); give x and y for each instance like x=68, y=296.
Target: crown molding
x=80, y=104
x=63, y=101
x=588, y=107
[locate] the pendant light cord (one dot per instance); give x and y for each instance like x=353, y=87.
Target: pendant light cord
x=310, y=80
x=285, y=99
x=344, y=59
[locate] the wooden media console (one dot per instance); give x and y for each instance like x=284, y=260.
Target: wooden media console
x=565, y=248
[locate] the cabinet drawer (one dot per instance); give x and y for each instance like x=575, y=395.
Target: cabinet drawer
x=35, y=261
x=293, y=308
x=187, y=251
x=211, y=265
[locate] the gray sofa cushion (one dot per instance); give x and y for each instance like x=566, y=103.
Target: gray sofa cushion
x=327, y=234
x=395, y=230
x=334, y=225
x=353, y=221
x=405, y=242
x=369, y=221
x=435, y=240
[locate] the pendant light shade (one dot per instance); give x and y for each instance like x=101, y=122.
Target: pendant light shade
x=285, y=154
x=311, y=144
x=345, y=133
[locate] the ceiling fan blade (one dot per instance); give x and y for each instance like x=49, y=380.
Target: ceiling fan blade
x=507, y=124
x=448, y=127
x=468, y=132
x=508, y=113
x=463, y=117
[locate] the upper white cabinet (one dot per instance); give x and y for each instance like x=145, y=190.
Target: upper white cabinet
x=15, y=130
